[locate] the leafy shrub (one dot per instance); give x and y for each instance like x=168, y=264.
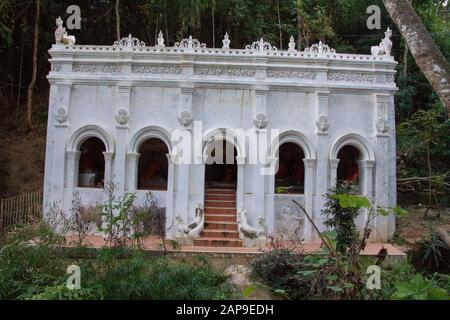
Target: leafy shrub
x=419, y=288
x=432, y=250
x=341, y=219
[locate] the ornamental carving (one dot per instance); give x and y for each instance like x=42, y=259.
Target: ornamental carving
x=291, y=74
x=390, y=78
x=261, y=121
x=61, y=115
x=185, y=119
x=320, y=48
x=129, y=42
x=261, y=45
x=122, y=117
x=56, y=67
x=156, y=69
x=230, y=72
x=385, y=46
x=190, y=43
x=92, y=68
x=382, y=126
x=351, y=77
x=322, y=123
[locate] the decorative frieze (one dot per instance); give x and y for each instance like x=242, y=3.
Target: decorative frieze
x=351, y=77
x=390, y=78
x=225, y=72
x=320, y=48
x=154, y=69
x=97, y=68
x=56, y=67
x=190, y=43
x=291, y=74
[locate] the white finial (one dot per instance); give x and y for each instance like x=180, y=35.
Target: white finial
x=291, y=44
x=226, y=41
x=160, y=40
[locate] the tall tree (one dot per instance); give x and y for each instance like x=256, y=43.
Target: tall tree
x=426, y=53
x=118, y=19
x=32, y=84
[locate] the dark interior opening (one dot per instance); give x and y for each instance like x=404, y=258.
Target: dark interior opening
x=291, y=169
x=348, y=167
x=153, y=165
x=221, y=167
x=91, y=169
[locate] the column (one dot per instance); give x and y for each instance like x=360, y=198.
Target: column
x=382, y=167
x=108, y=166
x=321, y=182
x=334, y=163
x=122, y=120
x=133, y=160
x=309, y=192
x=170, y=232
x=60, y=111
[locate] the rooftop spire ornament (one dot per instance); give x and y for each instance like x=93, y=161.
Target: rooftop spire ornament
x=160, y=40
x=226, y=41
x=291, y=44
x=129, y=42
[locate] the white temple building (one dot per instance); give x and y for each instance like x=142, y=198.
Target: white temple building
x=153, y=117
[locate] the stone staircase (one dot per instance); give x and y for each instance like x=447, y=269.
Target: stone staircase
x=220, y=220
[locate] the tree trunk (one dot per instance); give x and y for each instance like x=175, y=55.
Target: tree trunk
x=118, y=19
x=299, y=24
x=422, y=47
x=32, y=84
x=279, y=25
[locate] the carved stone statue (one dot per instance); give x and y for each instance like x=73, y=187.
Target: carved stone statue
x=291, y=44
x=385, y=47
x=61, y=36
x=160, y=40
x=226, y=41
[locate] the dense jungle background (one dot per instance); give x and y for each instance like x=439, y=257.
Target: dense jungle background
x=423, y=128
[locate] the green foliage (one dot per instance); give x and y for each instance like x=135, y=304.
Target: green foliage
x=114, y=273
x=432, y=249
x=419, y=288
x=342, y=218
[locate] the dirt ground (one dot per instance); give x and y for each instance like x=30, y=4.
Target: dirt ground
x=415, y=227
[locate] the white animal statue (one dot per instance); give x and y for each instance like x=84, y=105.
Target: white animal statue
x=61, y=36
x=385, y=47
x=247, y=230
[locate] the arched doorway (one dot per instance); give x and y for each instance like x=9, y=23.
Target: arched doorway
x=221, y=166
x=91, y=167
x=348, y=168
x=153, y=165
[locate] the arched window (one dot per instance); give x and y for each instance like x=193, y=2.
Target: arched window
x=91, y=169
x=153, y=165
x=291, y=169
x=348, y=167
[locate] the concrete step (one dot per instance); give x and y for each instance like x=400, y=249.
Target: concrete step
x=221, y=203
x=220, y=233
x=220, y=197
x=220, y=217
x=220, y=191
x=216, y=210
x=218, y=242
x=220, y=225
